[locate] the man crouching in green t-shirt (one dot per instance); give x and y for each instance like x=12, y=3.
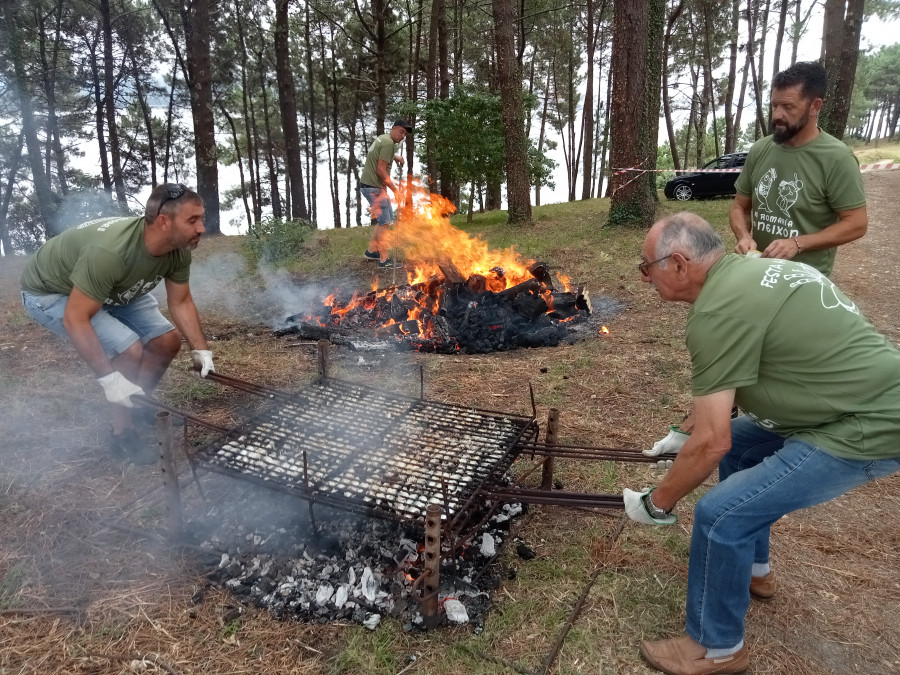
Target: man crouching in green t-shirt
x=821, y=417
x=91, y=285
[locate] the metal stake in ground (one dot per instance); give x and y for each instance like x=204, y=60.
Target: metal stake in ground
x=169, y=474
x=322, y=347
x=552, y=432
x=432, y=564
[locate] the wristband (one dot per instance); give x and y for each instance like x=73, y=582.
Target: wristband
x=797, y=241
x=652, y=509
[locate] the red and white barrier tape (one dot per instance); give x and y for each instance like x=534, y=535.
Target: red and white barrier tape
x=863, y=168
x=616, y=172
x=879, y=166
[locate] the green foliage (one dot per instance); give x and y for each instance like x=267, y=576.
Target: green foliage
x=468, y=136
x=664, y=161
x=278, y=241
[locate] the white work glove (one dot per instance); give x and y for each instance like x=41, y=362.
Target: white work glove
x=203, y=362
x=119, y=389
x=637, y=511
x=671, y=444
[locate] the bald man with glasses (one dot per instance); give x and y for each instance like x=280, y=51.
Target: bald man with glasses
x=91, y=286
x=821, y=417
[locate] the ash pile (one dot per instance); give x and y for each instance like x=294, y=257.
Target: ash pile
x=449, y=313
x=268, y=552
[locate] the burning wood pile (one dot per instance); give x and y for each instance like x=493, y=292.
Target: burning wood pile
x=459, y=295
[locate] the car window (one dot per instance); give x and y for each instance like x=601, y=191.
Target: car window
x=718, y=163
x=739, y=160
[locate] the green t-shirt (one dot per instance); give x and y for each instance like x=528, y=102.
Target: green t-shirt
x=383, y=147
x=799, y=190
x=803, y=360
x=106, y=259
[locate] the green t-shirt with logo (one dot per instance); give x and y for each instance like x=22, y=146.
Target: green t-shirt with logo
x=383, y=147
x=803, y=360
x=105, y=259
x=796, y=191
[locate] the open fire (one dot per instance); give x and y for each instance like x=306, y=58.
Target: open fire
x=459, y=295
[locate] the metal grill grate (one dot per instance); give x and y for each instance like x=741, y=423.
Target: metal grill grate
x=369, y=451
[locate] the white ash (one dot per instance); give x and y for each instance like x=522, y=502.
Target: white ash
x=355, y=568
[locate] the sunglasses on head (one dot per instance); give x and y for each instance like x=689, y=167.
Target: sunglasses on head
x=173, y=192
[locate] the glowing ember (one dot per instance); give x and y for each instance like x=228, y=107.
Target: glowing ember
x=603, y=330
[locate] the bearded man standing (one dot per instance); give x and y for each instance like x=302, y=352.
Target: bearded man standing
x=800, y=195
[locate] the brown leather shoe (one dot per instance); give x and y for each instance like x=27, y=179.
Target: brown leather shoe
x=684, y=656
x=763, y=588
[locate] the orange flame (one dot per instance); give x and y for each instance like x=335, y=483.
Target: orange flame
x=603, y=330
x=424, y=233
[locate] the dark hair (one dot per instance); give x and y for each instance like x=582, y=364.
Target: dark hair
x=810, y=75
x=403, y=123
x=166, y=197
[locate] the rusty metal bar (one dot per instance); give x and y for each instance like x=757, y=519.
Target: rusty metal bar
x=557, y=498
x=552, y=432
x=322, y=348
x=153, y=403
x=169, y=474
x=312, y=516
x=243, y=385
x=432, y=556
x=590, y=452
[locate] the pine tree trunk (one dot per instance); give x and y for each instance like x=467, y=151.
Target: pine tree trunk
x=667, y=106
x=197, y=39
x=287, y=102
x=841, y=44
x=46, y=200
x=12, y=170
x=109, y=91
x=518, y=190
x=311, y=93
x=588, y=107
x=249, y=115
x=636, y=62
x=49, y=75
x=730, y=132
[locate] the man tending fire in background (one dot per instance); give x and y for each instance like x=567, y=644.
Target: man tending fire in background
x=822, y=416
x=374, y=184
x=91, y=285
x=800, y=194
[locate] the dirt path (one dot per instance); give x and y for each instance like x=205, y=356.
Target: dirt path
x=866, y=269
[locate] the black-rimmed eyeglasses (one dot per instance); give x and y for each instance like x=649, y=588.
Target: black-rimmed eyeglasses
x=173, y=192
x=644, y=267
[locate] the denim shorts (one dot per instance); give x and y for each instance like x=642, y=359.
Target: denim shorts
x=117, y=326
x=379, y=204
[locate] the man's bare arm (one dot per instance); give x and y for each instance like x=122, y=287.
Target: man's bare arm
x=384, y=173
x=851, y=225
x=184, y=314
x=709, y=441
x=739, y=220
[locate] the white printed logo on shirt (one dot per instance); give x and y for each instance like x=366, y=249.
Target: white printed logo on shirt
x=788, y=192
x=799, y=274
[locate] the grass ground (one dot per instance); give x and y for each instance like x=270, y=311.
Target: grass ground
x=121, y=604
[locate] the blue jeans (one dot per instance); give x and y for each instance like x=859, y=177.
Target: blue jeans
x=379, y=204
x=763, y=477
x=117, y=326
